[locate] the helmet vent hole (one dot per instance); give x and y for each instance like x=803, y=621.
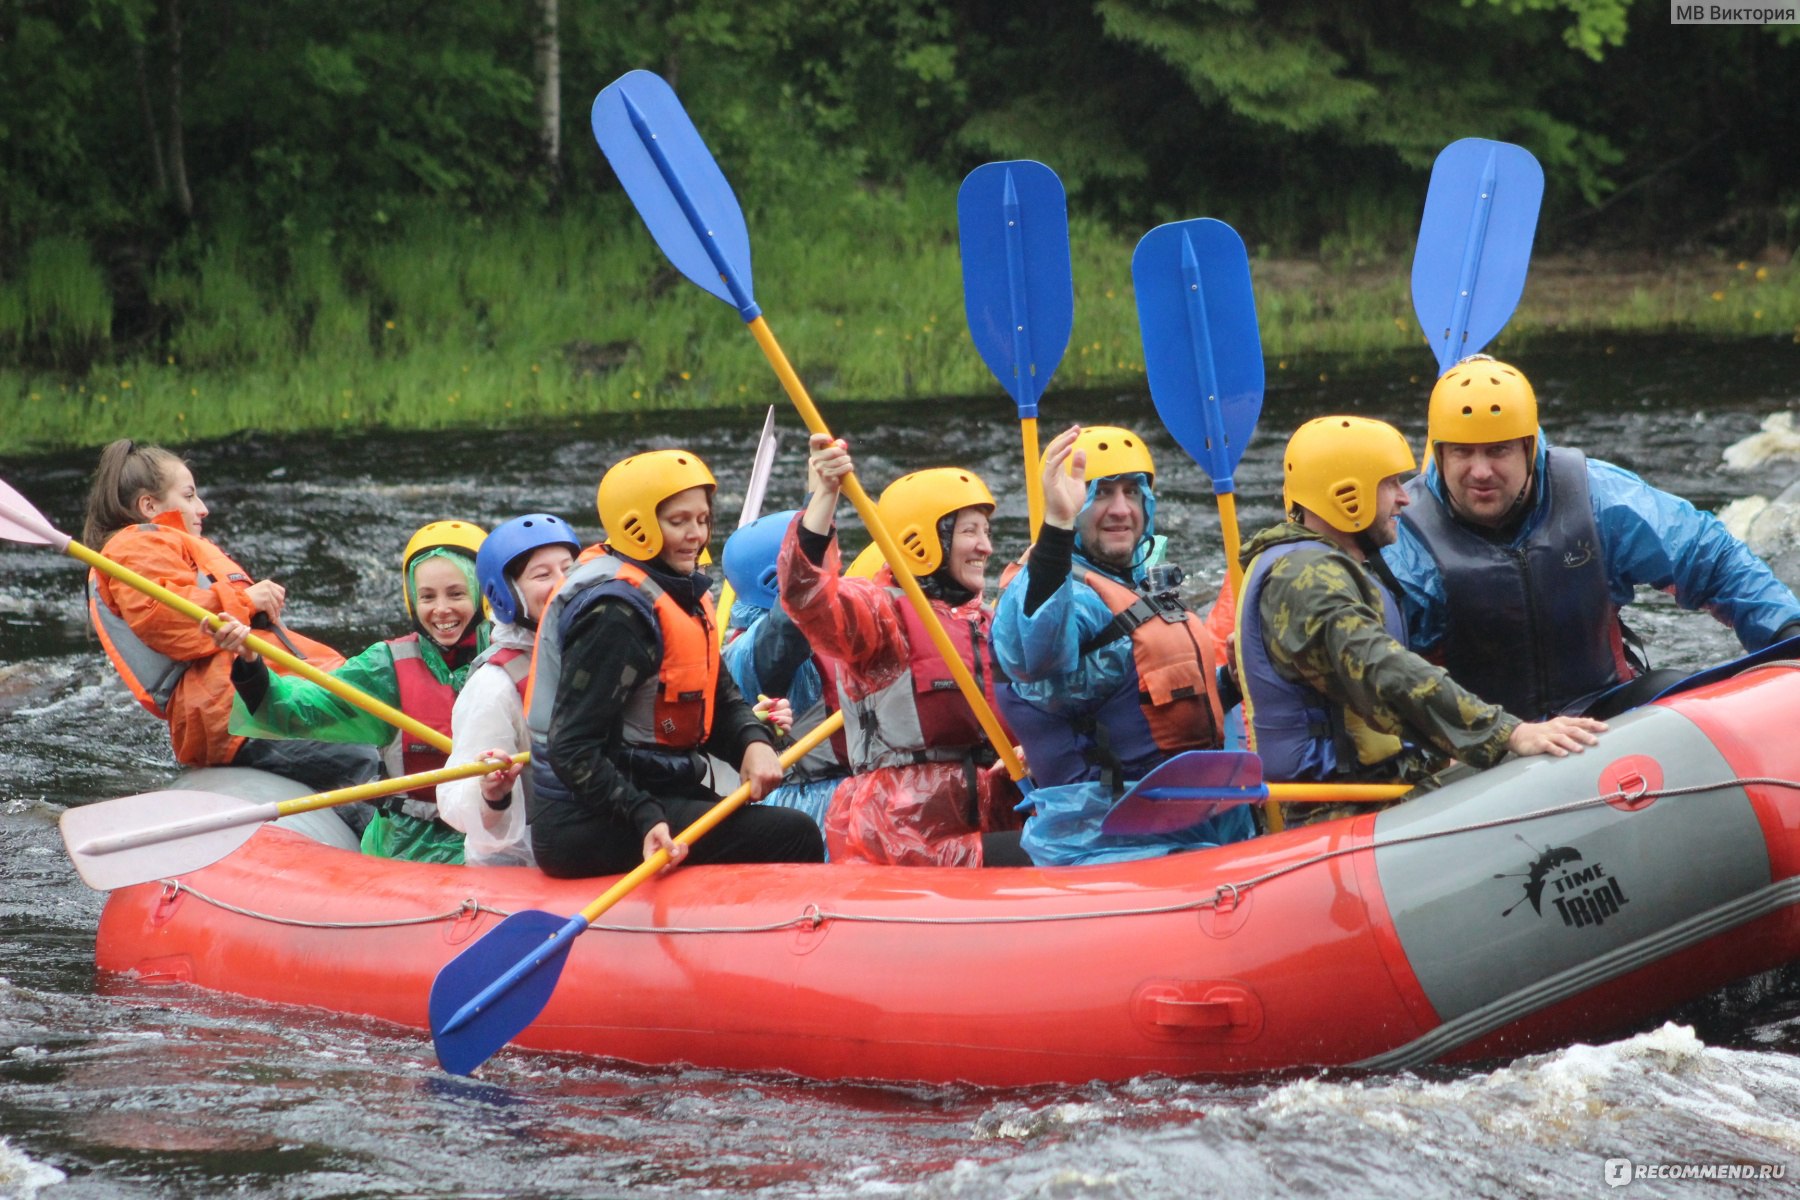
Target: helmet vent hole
x=1348, y=497
x=1102, y=446
x=1495, y=409
x=1467, y=411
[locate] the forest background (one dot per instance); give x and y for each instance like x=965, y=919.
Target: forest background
x=219, y=215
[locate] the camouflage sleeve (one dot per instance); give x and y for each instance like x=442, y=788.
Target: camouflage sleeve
x=1322, y=630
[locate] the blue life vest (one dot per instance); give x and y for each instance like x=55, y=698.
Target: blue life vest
x=1299, y=732
x=1531, y=627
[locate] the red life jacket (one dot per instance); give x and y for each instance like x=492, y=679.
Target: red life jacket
x=517, y=665
x=921, y=715
x=425, y=699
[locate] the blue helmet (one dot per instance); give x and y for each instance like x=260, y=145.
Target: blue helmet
x=505, y=546
x=750, y=556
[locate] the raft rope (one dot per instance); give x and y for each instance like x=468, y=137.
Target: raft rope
x=812, y=917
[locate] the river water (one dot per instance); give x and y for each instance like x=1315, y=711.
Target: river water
x=111, y=1089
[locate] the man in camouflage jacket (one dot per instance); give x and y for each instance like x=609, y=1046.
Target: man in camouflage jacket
x=1331, y=691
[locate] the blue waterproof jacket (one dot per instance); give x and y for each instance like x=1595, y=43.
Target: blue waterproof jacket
x=1647, y=537
x=1041, y=656
x=803, y=692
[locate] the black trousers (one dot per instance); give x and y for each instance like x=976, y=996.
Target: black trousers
x=576, y=846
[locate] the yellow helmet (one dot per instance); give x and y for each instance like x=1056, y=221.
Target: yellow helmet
x=1334, y=464
x=1479, y=401
x=465, y=536
x=632, y=488
x=866, y=564
x=912, y=505
x=1112, y=451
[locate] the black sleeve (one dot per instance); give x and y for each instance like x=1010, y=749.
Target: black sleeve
x=780, y=650
x=1049, y=564
x=606, y=652
x=251, y=679
x=813, y=544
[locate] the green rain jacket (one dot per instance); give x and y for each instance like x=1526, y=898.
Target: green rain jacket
x=298, y=708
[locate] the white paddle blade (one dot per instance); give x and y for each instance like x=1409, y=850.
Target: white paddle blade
x=117, y=843
x=21, y=522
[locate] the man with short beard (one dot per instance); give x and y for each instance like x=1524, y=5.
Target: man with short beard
x=1110, y=674
x=1330, y=690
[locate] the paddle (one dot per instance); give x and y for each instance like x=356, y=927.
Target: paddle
x=1202, y=351
x=1200, y=784
x=156, y=835
x=1018, y=288
x=20, y=522
x=485, y=996
x=1474, y=249
x=760, y=468
x=690, y=210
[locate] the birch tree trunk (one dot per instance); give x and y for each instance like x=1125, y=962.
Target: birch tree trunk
x=549, y=64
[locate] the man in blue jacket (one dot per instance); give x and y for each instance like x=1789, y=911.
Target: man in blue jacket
x=1109, y=672
x=1515, y=558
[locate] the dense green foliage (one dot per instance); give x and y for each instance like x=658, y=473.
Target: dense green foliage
x=355, y=199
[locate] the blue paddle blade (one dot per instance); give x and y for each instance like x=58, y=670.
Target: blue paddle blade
x=678, y=189
x=1202, y=349
x=500, y=962
x=1474, y=249
x=1018, y=285
x=1188, y=789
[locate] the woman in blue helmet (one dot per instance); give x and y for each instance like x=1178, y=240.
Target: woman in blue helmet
x=519, y=567
x=769, y=656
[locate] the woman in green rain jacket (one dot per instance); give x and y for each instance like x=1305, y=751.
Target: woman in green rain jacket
x=418, y=673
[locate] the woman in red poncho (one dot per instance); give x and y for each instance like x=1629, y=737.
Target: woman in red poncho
x=926, y=791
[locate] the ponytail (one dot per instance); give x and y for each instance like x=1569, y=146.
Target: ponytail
x=127, y=472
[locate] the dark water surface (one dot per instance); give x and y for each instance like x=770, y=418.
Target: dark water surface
x=109, y=1089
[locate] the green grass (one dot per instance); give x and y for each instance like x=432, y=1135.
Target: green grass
x=454, y=320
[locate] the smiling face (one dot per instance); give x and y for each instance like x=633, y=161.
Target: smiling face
x=1112, y=525
x=969, y=550
x=180, y=496
x=539, y=577
x=443, y=602
x=686, y=521
x=1484, y=479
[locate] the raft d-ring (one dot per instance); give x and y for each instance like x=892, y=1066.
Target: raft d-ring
x=464, y=923
x=1632, y=782
x=1226, y=898
x=812, y=916
x=810, y=930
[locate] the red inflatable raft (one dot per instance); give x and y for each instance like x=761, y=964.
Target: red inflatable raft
x=1542, y=901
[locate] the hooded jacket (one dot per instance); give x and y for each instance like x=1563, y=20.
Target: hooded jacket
x=1646, y=536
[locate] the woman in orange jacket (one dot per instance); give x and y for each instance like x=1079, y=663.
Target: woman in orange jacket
x=146, y=513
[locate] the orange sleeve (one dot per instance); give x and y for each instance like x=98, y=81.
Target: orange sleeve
x=1221, y=619
x=163, y=557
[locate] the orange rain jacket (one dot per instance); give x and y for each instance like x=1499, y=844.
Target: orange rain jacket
x=199, y=709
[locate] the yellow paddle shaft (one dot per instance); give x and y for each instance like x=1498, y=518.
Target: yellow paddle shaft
x=865, y=508
x=273, y=653
x=387, y=787
x=707, y=820
x=1034, y=478
x=1228, y=526
x=727, y=597
x=1337, y=793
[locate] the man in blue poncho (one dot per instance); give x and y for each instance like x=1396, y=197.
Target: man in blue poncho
x=1515, y=558
x=1110, y=674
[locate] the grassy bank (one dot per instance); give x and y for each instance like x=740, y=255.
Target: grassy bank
x=455, y=321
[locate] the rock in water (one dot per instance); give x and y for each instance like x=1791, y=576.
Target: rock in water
x=1778, y=441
